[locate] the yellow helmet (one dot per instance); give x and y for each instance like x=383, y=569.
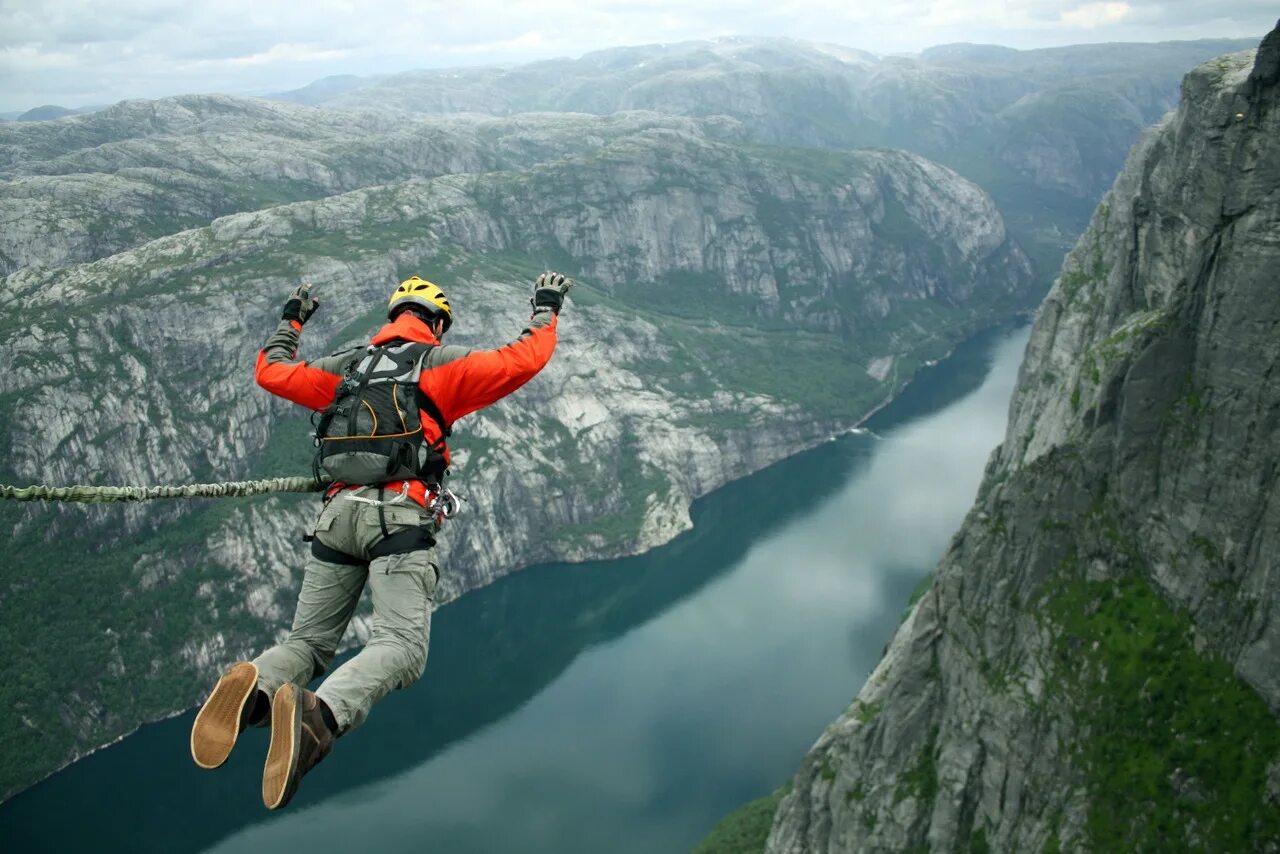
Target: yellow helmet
x=423, y=294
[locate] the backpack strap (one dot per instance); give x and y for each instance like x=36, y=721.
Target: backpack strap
x=425, y=403
x=375, y=355
x=349, y=380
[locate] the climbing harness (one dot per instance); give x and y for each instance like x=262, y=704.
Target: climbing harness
x=444, y=504
x=379, y=501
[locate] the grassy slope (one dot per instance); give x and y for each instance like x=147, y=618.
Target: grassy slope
x=745, y=830
x=1175, y=747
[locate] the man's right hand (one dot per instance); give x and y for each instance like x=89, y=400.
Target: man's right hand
x=549, y=291
x=301, y=305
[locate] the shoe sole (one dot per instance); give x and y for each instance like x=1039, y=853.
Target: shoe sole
x=217, y=725
x=281, y=767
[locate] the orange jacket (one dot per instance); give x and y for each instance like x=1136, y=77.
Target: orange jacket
x=458, y=379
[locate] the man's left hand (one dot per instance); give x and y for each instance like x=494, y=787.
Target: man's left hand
x=549, y=291
x=301, y=305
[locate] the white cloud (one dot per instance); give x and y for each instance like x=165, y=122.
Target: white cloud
x=528, y=41
x=277, y=53
x=104, y=50
x=29, y=58
x=1093, y=15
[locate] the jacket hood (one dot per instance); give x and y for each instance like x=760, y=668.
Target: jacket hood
x=405, y=327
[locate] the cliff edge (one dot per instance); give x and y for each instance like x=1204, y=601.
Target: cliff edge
x=1097, y=663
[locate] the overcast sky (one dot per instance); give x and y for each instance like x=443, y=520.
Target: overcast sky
x=80, y=52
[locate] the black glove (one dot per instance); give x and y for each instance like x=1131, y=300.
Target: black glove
x=301, y=304
x=549, y=291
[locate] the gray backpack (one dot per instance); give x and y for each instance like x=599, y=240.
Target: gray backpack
x=372, y=432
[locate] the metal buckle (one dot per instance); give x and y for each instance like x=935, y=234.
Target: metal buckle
x=445, y=503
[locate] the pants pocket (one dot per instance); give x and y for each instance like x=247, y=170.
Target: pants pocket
x=417, y=563
x=435, y=580
x=325, y=520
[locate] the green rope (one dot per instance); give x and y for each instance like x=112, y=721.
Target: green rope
x=106, y=494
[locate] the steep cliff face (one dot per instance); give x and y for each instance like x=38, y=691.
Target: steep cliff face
x=1097, y=663
x=736, y=303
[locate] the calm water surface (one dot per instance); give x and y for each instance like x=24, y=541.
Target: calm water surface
x=618, y=706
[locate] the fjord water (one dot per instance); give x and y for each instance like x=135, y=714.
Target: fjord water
x=619, y=706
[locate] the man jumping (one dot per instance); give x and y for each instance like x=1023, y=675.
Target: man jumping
x=384, y=413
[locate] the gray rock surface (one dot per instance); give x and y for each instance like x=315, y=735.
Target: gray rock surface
x=89, y=187
x=1134, y=501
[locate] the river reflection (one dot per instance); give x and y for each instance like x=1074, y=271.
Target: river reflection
x=612, y=706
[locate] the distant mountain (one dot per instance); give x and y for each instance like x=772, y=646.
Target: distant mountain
x=49, y=112
x=45, y=113
x=989, y=54
x=1043, y=131
x=87, y=188
x=324, y=89
x=953, y=102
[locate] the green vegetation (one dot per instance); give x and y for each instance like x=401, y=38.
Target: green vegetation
x=820, y=165
x=917, y=593
x=103, y=626
x=920, y=781
x=746, y=829
x=897, y=226
x=866, y=712
x=630, y=485
x=1135, y=328
x=1178, y=747
x=1072, y=282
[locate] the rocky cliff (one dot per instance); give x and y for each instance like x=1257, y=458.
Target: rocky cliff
x=1097, y=663
x=736, y=303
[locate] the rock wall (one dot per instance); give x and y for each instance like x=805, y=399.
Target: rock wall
x=1095, y=665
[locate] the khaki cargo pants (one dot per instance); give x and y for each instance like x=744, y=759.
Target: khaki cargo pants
x=403, y=587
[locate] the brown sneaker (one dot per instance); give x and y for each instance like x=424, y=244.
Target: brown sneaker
x=299, y=740
x=224, y=714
